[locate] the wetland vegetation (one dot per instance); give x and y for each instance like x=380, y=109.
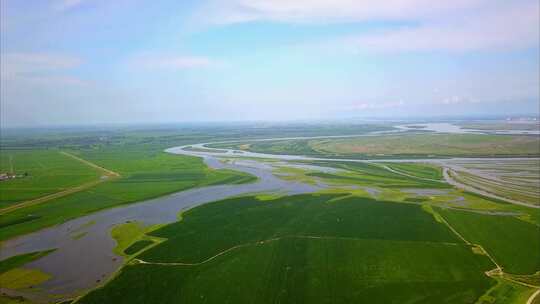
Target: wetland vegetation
x=364, y=228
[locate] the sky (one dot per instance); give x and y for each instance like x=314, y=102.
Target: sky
x=73, y=62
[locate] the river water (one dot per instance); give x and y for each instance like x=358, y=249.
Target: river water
x=79, y=264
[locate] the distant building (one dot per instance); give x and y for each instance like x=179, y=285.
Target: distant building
x=6, y=176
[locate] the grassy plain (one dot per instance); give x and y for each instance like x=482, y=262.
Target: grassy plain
x=513, y=179
x=48, y=171
x=303, y=249
x=513, y=243
x=294, y=270
x=146, y=173
x=14, y=276
x=137, y=246
x=206, y=231
x=323, y=248
x=505, y=292
x=20, y=260
x=403, y=145
x=426, y=171
x=376, y=175
x=131, y=236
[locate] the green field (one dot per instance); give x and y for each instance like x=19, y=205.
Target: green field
x=380, y=233
x=48, y=171
x=403, y=145
x=376, y=175
x=310, y=271
x=137, y=246
x=215, y=227
x=20, y=260
x=425, y=171
x=146, y=173
x=513, y=243
x=303, y=249
x=516, y=179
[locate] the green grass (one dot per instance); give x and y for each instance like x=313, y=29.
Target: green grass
x=303, y=249
x=506, y=292
x=432, y=144
x=513, y=243
x=372, y=175
x=403, y=145
x=311, y=271
x=418, y=169
x=20, y=260
x=13, y=276
x=146, y=173
x=137, y=246
x=48, y=171
x=131, y=237
x=207, y=230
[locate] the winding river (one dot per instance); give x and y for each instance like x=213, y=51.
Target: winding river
x=81, y=263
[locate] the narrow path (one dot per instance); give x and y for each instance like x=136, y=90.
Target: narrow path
x=498, y=267
x=409, y=175
x=84, y=161
x=496, y=272
x=534, y=295
x=449, y=179
x=108, y=173
x=260, y=243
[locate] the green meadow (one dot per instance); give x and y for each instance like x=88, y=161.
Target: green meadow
x=513, y=243
x=145, y=173
x=19, y=260
x=207, y=231
x=381, y=233
x=426, y=171
x=403, y=145
x=46, y=172
x=330, y=248
x=376, y=175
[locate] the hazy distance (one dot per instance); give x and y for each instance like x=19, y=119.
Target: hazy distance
x=96, y=61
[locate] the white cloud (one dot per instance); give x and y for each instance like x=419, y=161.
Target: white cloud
x=23, y=63
x=39, y=68
x=234, y=11
x=460, y=25
x=513, y=27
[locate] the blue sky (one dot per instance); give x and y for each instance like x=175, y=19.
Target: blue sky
x=98, y=61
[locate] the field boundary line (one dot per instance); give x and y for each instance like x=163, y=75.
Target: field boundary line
x=63, y=193
x=268, y=241
x=454, y=182
x=408, y=175
x=91, y=164
x=534, y=295
x=498, y=268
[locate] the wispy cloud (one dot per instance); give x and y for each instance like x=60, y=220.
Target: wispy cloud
x=235, y=11
x=505, y=28
x=171, y=62
x=39, y=68
x=461, y=25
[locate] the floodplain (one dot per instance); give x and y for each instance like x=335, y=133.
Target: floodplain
x=346, y=229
